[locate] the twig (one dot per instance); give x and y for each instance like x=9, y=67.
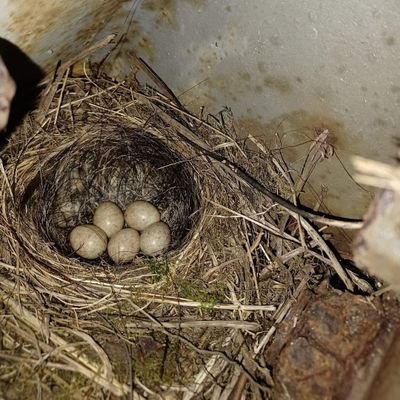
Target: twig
x=188, y=136
x=206, y=352
x=62, y=69
x=157, y=80
x=265, y=225
x=83, y=366
x=196, y=324
x=61, y=97
x=236, y=393
x=79, y=101
x=331, y=255
x=213, y=366
x=319, y=150
x=179, y=301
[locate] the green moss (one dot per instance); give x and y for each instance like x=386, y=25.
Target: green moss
x=209, y=297
x=154, y=373
x=76, y=382
x=159, y=269
x=156, y=363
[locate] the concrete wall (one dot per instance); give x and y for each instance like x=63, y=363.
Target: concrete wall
x=287, y=68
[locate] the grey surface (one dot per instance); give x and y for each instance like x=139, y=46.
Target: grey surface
x=289, y=68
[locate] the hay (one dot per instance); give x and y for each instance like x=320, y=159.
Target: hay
x=189, y=323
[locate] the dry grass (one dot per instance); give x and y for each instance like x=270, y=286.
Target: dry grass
x=192, y=323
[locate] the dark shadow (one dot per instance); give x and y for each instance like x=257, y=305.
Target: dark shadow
x=26, y=75
x=338, y=284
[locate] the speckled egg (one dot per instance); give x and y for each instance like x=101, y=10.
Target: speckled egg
x=88, y=241
x=155, y=239
x=123, y=246
x=141, y=214
x=109, y=217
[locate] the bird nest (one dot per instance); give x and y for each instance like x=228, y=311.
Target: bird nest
x=187, y=324
x=108, y=162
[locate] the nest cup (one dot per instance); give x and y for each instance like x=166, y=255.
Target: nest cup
x=120, y=165
x=237, y=263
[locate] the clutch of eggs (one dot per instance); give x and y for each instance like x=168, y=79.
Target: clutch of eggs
x=145, y=233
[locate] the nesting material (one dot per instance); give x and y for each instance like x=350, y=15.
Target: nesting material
x=189, y=322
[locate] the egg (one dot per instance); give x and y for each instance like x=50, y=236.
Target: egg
x=141, y=214
x=109, y=217
x=155, y=239
x=123, y=246
x=88, y=241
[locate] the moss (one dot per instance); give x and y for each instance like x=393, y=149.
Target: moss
x=209, y=296
x=159, y=269
x=75, y=382
x=157, y=360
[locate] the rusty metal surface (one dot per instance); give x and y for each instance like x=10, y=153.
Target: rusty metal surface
x=386, y=385
x=328, y=342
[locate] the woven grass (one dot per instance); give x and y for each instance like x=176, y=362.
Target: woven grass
x=189, y=324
